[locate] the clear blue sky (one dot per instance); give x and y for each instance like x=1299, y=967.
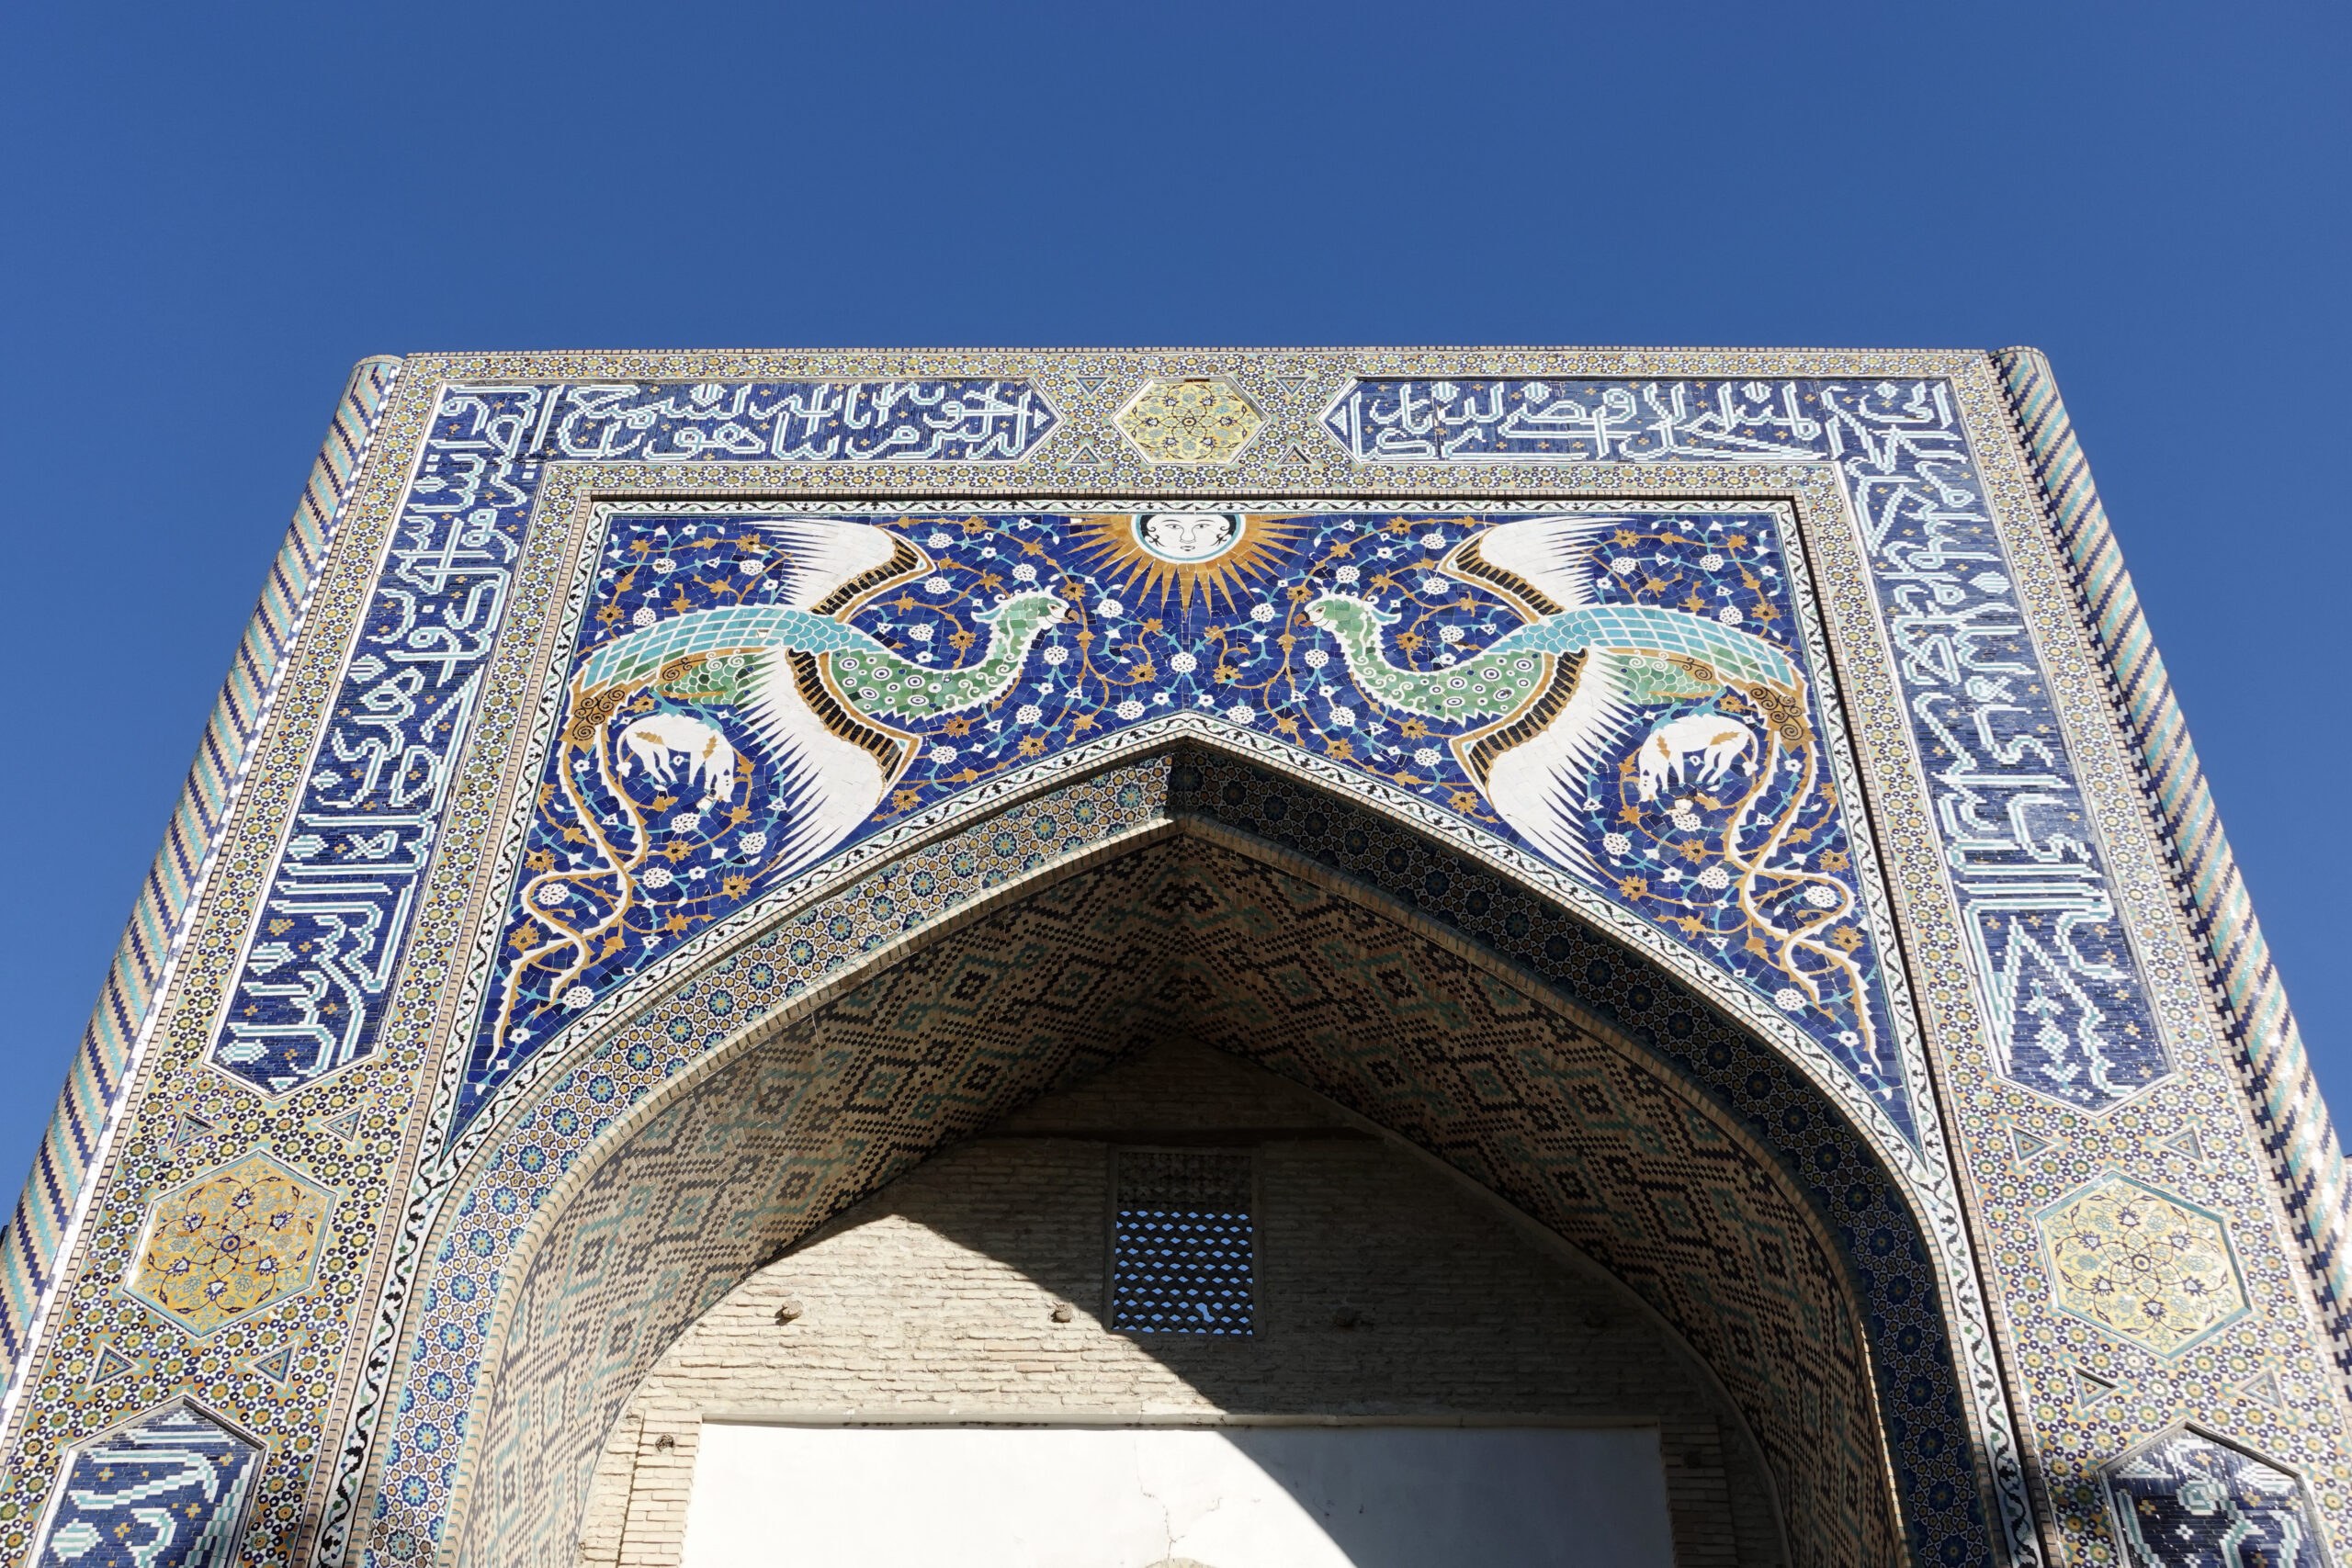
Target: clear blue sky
x=211, y=212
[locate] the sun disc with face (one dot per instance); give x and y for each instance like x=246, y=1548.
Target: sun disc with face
x=1215, y=552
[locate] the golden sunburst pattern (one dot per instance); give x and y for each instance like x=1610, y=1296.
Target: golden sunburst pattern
x=1216, y=552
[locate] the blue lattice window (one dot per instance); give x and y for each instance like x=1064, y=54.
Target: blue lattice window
x=1182, y=1247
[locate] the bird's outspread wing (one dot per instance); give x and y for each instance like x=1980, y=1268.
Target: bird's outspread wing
x=827, y=564
x=1543, y=565
x=1538, y=770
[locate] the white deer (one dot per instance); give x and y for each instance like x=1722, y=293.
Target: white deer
x=650, y=739
x=1718, y=740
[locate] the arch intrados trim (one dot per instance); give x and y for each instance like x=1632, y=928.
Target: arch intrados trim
x=1166, y=743
x=551, y=1211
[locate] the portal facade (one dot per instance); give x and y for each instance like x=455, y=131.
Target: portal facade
x=1294, y=924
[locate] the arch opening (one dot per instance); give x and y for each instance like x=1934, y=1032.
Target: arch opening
x=1601, y=1137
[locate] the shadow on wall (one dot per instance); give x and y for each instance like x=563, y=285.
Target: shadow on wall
x=1384, y=1287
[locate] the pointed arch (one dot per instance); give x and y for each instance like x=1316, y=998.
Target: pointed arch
x=1585, y=1086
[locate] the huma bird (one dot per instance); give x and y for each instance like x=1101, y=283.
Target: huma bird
x=827, y=703
x=828, y=707
x=1546, y=699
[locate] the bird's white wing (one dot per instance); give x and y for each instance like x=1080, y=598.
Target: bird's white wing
x=831, y=765
x=1542, y=564
x=1541, y=784
x=827, y=563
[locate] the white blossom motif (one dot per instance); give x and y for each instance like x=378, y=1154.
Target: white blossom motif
x=752, y=843
x=1057, y=655
x=1028, y=713
x=578, y=998
x=1714, y=878
x=1317, y=658
x=1616, y=843
x=937, y=585
x=1110, y=609
x=1729, y=614
x=1821, y=895
x=1343, y=719
x=1789, y=999
x=1183, y=663
x=685, y=822
x=1425, y=756
x=655, y=877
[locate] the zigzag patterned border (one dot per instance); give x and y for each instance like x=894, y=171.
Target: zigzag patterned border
x=37, y=1230
x=2297, y=1131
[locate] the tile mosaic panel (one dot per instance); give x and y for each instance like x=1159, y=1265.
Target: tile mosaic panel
x=1630, y=696
x=311, y=995
x=169, y=1490
x=230, y=1242
x=2142, y=1265
x=2185, y=1501
x=2068, y=1001
x=1204, y=421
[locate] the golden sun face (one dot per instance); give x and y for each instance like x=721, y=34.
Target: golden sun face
x=1216, y=552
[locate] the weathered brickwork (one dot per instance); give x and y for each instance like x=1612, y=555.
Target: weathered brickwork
x=1385, y=1289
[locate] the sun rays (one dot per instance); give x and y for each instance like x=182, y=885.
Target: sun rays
x=1215, y=552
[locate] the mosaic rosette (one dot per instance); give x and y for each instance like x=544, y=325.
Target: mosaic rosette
x=231, y=1242
x=1206, y=420
x=2142, y=1265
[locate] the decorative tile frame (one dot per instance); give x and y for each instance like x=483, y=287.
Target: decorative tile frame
x=538, y=442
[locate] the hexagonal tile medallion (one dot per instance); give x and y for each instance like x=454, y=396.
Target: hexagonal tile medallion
x=2141, y=1264
x=1205, y=421
x=230, y=1242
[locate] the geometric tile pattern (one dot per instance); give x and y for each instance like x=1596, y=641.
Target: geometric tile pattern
x=1185, y=938
x=168, y=1490
x=97, y=1076
x=2308, y=1159
x=2071, y=1010
x=2186, y=1501
x=230, y=1242
x=1190, y=421
x=2141, y=1264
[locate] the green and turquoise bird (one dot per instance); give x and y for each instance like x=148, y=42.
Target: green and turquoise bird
x=1545, y=702
x=830, y=706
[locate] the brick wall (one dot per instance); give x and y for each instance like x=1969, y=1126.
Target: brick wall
x=1385, y=1287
